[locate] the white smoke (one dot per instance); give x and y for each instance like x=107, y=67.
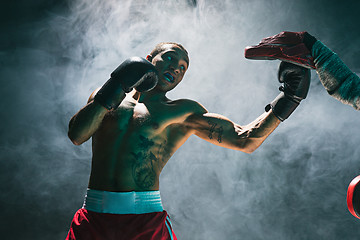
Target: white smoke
x=292, y=187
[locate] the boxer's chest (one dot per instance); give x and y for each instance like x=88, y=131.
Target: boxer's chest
x=156, y=117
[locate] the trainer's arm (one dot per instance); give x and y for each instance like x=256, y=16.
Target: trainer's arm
x=221, y=131
x=339, y=81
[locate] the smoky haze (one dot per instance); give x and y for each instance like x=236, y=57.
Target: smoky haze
x=55, y=53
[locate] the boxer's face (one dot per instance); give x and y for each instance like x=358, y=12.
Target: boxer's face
x=171, y=64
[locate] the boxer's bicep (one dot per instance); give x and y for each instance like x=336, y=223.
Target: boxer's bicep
x=219, y=130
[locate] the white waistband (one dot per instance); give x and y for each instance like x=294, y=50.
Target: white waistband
x=123, y=202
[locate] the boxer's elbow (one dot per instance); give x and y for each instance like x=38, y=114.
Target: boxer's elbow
x=248, y=145
x=77, y=143
x=249, y=149
x=76, y=136
x=76, y=140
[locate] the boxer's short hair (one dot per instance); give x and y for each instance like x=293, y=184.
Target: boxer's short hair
x=160, y=47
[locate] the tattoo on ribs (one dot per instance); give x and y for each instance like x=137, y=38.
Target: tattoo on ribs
x=215, y=129
x=143, y=171
x=161, y=151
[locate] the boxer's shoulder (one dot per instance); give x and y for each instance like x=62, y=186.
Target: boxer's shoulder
x=180, y=109
x=92, y=96
x=188, y=106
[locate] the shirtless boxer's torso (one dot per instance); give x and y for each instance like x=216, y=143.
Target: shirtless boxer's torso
x=133, y=143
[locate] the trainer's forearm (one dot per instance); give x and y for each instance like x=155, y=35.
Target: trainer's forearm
x=84, y=123
x=258, y=130
x=336, y=77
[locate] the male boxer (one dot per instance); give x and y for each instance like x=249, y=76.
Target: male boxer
x=135, y=129
x=305, y=50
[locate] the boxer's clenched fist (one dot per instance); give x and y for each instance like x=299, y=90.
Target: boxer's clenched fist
x=134, y=72
x=296, y=82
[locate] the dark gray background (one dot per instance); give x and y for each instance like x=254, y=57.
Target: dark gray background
x=53, y=54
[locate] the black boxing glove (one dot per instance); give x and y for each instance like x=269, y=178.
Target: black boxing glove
x=296, y=82
x=135, y=72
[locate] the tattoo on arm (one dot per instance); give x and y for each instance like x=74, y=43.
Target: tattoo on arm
x=212, y=129
x=220, y=131
x=215, y=129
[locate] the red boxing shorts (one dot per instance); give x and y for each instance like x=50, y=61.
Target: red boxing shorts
x=127, y=216
x=88, y=225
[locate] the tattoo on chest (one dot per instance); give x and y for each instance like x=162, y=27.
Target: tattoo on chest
x=145, y=143
x=145, y=162
x=215, y=129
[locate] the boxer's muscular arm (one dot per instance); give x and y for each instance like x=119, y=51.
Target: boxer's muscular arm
x=85, y=122
x=135, y=73
x=221, y=131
